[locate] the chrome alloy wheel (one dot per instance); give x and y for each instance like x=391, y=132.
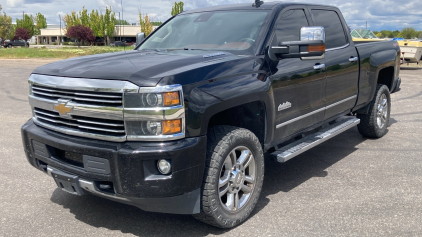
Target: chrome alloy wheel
x=382, y=111
x=237, y=179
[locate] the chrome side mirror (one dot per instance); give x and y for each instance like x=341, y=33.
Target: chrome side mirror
x=311, y=44
x=312, y=33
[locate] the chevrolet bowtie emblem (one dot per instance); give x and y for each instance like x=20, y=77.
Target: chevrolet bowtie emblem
x=62, y=108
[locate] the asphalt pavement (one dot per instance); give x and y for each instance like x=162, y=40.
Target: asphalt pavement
x=348, y=186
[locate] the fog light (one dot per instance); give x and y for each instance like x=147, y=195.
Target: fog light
x=164, y=166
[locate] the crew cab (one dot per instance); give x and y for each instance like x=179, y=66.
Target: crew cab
x=181, y=123
x=12, y=43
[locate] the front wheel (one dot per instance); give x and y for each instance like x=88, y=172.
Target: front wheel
x=374, y=124
x=233, y=177
x=10, y=46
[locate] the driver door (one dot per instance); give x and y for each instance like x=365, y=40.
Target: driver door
x=299, y=86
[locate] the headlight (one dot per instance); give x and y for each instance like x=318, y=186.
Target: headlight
x=155, y=114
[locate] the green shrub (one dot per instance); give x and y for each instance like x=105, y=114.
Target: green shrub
x=65, y=43
x=71, y=43
x=54, y=43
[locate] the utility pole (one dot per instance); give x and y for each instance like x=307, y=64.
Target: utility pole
x=121, y=3
x=60, y=29
x=120, y=27
x=366, y=25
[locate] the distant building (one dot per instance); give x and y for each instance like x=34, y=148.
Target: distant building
x=53, y=34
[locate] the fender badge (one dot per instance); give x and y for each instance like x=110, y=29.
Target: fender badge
x=284, y=106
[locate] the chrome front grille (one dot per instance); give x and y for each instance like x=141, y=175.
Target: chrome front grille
x=99, y=109
x=84, y=124
x=86, y=97
x=93, y=107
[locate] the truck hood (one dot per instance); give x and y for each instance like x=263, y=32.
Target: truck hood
x=143, y=68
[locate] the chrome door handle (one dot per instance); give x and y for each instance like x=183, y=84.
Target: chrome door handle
x=353, y=59
x=319, y=66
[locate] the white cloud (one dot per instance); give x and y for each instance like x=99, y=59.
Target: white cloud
x=13, y=3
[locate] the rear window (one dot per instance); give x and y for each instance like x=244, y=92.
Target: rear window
x=334, y=32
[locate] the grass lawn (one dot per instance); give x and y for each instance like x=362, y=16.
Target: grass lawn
x=59, y=53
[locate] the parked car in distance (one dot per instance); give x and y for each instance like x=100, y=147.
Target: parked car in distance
x=119, y=44
x=11, y=43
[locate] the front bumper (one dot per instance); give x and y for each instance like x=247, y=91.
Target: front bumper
x=129, y=167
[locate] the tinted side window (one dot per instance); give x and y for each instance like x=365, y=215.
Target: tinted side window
x=334, y=33
x=288, y=25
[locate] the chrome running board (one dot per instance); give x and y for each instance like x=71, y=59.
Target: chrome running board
x=293, y=149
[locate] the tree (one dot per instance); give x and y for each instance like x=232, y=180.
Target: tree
x=22, y=34
x=95, y=23
x=395, y=34
x=409, y=33
x=156, y=23
x=102, y=25
x=40, y=23
x=420, y=34
x=71, y=19
x=84, y=17
x=7, y=30
x=80, y=33
x=146, y=26
x=177, y=8
x=27, y=23
x=121, y=22
x=108, y=24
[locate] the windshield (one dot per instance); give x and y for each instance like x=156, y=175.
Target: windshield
x=235, y=31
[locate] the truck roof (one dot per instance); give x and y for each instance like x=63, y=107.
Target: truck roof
x=247, y=6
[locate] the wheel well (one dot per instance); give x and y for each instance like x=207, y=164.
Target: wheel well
x=386, y=77
x=250, y=116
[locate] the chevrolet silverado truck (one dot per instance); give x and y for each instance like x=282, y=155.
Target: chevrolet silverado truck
x=181, y=123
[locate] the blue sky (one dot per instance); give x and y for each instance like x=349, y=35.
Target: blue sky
x=380, y=14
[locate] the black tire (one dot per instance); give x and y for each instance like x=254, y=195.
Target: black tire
x=222, y=141
x=10, y=46
x=370, y=125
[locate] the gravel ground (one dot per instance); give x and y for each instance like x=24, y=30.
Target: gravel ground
x=348, y=186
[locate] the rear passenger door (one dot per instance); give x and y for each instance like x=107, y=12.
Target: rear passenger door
x=298, y=87
x=341, y=60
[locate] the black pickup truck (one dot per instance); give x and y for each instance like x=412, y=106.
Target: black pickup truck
x=12, y=43
x=181, y=123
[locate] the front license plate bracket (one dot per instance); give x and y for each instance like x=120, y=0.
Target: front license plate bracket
x=67, y=182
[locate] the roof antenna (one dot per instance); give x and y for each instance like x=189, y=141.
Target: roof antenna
x=257, y=3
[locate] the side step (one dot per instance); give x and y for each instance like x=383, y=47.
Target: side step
x=293, y=149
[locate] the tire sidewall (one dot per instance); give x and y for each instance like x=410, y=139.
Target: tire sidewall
x=383, y=90
x=244, y=138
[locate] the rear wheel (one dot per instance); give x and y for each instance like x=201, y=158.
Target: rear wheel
x=233, y=177
x=375, y=123
x=10, y=46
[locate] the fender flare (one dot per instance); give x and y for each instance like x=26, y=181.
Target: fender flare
x=262, y=97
